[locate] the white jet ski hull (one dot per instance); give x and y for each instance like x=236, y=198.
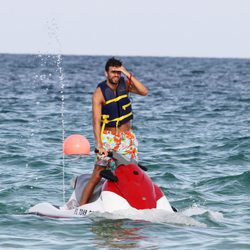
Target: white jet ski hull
x=108, y=202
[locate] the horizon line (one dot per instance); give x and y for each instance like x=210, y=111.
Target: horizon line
x=121, y=55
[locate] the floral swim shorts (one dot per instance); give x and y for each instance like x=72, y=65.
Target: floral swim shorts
x=124, y=143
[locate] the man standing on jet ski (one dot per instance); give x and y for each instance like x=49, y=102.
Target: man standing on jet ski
x=112, y=113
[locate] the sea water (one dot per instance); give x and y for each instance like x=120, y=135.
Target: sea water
x=194, y=136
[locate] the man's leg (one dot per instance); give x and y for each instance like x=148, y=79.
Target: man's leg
x=90, y=186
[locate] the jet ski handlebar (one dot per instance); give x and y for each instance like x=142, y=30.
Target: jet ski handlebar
x=121, y=160
x=118, y=158
x=110, y=153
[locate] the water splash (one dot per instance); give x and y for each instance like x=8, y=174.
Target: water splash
x=55, y=44
x=61, y=80
x=195, y=210
x=151, y=215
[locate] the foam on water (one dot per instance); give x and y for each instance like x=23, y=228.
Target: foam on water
x=196, y=210
x=151, y=215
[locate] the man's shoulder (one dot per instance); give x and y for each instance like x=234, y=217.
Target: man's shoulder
x=97, y=91
x=98, y=95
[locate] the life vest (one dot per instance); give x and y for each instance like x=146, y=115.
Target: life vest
x=117, y=109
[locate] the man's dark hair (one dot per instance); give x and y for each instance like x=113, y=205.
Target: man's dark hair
x=112, y=62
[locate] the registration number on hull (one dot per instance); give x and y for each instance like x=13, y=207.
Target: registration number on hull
x=81, y=212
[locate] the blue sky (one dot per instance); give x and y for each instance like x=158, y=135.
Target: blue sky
x=192, y=28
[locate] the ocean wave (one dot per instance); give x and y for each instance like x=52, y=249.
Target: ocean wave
x=227, y=184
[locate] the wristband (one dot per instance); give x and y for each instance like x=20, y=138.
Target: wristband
x=129, y=79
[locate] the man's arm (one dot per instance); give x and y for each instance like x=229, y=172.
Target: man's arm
x=133, y=84
x=97, y=101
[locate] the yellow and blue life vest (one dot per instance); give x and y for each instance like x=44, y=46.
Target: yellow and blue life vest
x=117, y=109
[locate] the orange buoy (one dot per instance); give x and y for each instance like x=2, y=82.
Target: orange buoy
x=76, y=145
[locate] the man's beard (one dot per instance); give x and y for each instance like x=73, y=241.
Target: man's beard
x=112, y=82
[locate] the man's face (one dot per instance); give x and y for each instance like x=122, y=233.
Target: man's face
x=113, y=75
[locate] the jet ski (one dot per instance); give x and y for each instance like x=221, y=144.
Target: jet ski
x=127, y=187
